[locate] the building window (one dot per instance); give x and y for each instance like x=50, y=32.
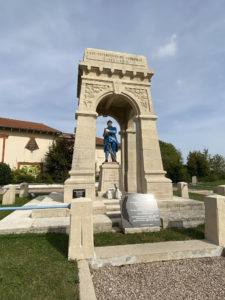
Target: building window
x=31, y=168
x=32, y=144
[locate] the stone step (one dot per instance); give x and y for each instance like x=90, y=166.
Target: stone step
x=113, y=214
x=112, y=202
x=114, y=207
x=180, y=204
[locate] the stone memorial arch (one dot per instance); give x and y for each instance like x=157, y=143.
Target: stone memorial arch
x=117, y=85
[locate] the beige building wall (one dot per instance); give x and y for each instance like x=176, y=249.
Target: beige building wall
x=15, y=151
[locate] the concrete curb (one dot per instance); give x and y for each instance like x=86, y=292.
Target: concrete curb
x=86, y=286
x=150, y=252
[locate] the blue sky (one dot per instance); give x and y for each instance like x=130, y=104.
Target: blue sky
x=42, y=41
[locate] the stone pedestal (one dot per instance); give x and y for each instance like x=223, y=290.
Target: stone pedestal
x=110, y=174
x=215, y=219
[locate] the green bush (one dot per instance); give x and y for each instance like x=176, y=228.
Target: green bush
x=44, y=178
x=5, y=174
x=58, y=159
x=20, y=176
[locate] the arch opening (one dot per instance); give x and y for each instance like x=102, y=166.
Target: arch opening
x=123, y=110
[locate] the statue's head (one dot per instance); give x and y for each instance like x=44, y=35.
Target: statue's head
x=109, y=123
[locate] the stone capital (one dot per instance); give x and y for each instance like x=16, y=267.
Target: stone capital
x=86, y=113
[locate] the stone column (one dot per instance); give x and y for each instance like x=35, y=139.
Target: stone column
x=149, y=158
x=123, y=175
x=139, y=160
x=131, y=161
x=82, y=174
x=81, y=244
x=182, y=189
x=215, y=219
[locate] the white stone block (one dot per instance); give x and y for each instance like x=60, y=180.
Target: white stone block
x=9, y=196
x=24, y=191
x=221, y=190
x=215, y=219
x=194, y=179
x=182, y=190
x=81, y=243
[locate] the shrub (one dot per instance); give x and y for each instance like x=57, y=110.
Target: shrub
x=20, y=176
x=59, y=159
x=44, y=178
x=5, y=174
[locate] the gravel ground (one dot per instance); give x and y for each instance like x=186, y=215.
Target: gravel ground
x=199, y=278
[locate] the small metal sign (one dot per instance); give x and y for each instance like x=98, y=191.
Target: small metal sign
x=79, y=193
x=139, y=210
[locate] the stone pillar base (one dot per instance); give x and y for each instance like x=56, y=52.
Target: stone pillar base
x=79, y=181
x=160, y=186
x=110, y=174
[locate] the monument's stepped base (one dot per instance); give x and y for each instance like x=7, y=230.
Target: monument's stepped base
x=176, y=213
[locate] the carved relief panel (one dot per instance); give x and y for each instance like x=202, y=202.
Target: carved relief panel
x=90, y=91
x=141, y=96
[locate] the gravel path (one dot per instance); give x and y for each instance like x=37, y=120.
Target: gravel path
x=199, y=278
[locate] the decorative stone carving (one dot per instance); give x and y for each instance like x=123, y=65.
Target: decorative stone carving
x=141, y=95
x=91, y=89
x=32, y=144
x=116, y=86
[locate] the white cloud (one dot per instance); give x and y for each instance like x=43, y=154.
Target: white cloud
x=167, y=50
x=179, y=82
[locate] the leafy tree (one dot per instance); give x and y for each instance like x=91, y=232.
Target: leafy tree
x=198, y=164
x=217, y=166
x=59, y=159
x=172, y=162
x=44, y=178
x=5, y=174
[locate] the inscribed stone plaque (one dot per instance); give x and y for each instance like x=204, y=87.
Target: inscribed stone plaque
x=139, y=210
x=79, y=193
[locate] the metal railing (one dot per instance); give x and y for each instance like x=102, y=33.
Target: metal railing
x=34, y=207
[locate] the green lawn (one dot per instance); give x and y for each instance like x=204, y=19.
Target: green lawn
x=112, y=239
x=192, y=196
x=35, y=266
x=213, y=183
x=18, y=202
x=198, y=197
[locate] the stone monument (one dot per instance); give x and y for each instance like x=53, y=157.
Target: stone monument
x=117, y=85
x=139, y=213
